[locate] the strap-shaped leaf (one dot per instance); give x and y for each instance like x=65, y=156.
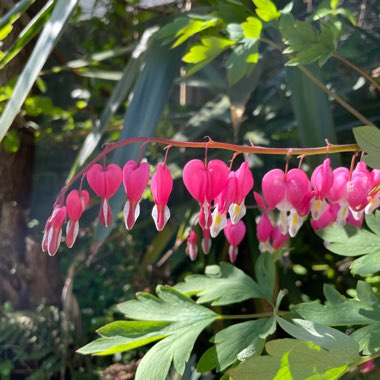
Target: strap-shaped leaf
x=47, y=40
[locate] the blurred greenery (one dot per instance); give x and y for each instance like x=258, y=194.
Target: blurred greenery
x=182, y=70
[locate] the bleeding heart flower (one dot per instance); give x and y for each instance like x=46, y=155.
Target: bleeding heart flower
x=222, y=204
x=234, y=234
x=322, y=180
x=53, y=230
x=327, y=218
x=191, y=245
x=161, y=186
x=374, y=194
x=358, y=188
x=244, y=185
x=278, y=238
x=76, y=203
x=264, y=231
x=135, y=179
x=105, y=182
x=205, y=183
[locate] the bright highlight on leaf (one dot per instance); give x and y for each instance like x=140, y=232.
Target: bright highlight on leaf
x=266, y=10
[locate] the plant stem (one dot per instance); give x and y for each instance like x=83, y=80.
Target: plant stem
x=323, y=87
x=358, y=70
x=251, y=316
x=210, y=144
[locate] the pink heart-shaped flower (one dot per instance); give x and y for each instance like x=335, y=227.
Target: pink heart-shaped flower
x=104, y=181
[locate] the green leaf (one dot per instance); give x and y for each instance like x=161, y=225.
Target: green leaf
x=368, y=138
x=341, y=311
x=221, y=285
x=304, y=42
x=237, y=342
x=5, y=30
x=241, y=61
x=47, y=40
x=266, y=10
x=265, y=271
x=324, y=336
x=252, y=28
x=172, y=317
x=373, y=222
x=204, y=52
x=15, y=12
x=368, y=338
x=290, y=359
x=362, y=242
x=11, y=142
x=28, y=33
x=334, y=4
x=193, y=27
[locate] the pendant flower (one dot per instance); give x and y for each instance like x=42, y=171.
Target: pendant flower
x=234, y=234
x=76, y=203
x=161, y=186
x=191, y=245
x=205, y=183
x=53, y=230
x=264, y=232
x=105, y=182
x=135, y=179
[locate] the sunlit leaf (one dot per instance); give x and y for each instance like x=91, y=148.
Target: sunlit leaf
x=266, y=10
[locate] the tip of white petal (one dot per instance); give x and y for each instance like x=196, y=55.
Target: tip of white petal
x=105, y=211
x=342, y=215
x=294, y=222
x=155, y=217
x=206, y=245
x=219, y=221
x=232, y=253
x=236, y=212
x=126, y=212
x=193, y=252
x=317, y=208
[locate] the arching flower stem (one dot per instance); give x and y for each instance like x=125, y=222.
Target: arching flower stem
x=330, y=148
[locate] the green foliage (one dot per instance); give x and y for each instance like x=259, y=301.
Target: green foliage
x=226, y=284
x=236, y=342
x=266, y=10
x=289, y=359
x=48, y=38
x=350, y=241
x=173, y=317
x=368, y=138
x=305, y=44
x=11, y=142
x=252, y=27
x=341, y=311
x=206, y=51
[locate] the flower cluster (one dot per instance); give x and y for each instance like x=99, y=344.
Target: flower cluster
x=288, y=197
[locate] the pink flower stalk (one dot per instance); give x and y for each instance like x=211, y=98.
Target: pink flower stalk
x=53, y=230
x=161, y=186
x=76, y=203
x=206, y=241
x=288, y=192
x=234, y=234
x=135, y=180
x=205, y=183
x=222, y=204
x=264, y=232
x=374, y=195
x=105, y=182
x=245, y=183
x=192, y=246
x=321, y=180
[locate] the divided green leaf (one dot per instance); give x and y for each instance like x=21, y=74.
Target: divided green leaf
x=236, y=342
x=291, y=359
x=305, y=43
x=252, y=28
x=172, y=317
x=341, y=311
x=349, y=241
x=266, y=10
x=221, y=285
x=324, y=336
x=368, y=138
